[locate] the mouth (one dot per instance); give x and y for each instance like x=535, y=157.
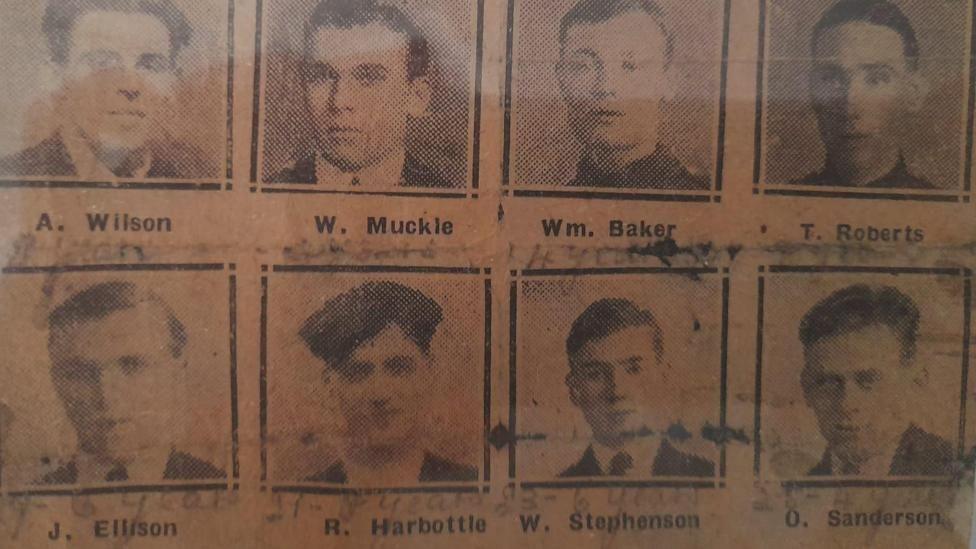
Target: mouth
x=128, y=114
x=605, y=116
x=342, y=130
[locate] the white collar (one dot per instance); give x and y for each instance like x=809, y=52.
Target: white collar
x=405, y=471
x=147, y=466
x=86, y=163
x=642, y=450
x=386, y=174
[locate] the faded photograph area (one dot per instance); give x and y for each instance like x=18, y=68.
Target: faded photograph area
x=617, y=94
x=618, y=376
x=368, y=94
x=866, y=94
x=115, y=378
x=861, y=376
x=375, y=381
x=102, y=90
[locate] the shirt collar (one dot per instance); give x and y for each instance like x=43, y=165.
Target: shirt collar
x=148, y=466
x=385, y=174
x=87, y=165
x=391, y=474
x=642, y=450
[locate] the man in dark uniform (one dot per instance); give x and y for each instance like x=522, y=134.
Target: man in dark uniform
x=117, y=365
x=616, y=378
x=374, y=342
x=365, y=78
x=118, y=64
x=614, y=74
x=859, y=370
x=864, y=86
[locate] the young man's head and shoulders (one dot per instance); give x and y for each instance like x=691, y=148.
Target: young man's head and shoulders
x=117, y=365
x=374, y=344
x=864, y=86
x=118, y=64
x=615, y=75
x=859, y=375
x=617, y=378
x=365, y=76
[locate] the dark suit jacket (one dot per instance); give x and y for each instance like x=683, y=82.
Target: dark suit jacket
x=918, y=454
x=415, y=174
x=433, y=469
x=898, y=178
x=669, y=462
x=50, y=158
x=180, y=466
x=660, y=170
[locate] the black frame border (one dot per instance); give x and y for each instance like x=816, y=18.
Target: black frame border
x=694, y=483
x=964, y=274
x=297, y=487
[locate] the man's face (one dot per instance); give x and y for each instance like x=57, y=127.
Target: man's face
x=616, y=381
x=613, y=76
x=861, y=87
x=118, y=381
x=381, y=388
x=118, y=78
x=856, y=383
x=360, y=94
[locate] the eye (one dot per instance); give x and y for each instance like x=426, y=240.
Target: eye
x=321, y=74
x=131, y=365
x=830, y=79
x=634, y=367
x=629, y=66
x=877, y=77
x=101, y=60
x=77, y=372
x=153, y=63
x=355, y=372
x=866, y=380
x=828, y=383
x=368, y=75
x=400, y=366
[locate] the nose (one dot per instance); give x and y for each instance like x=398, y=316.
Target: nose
x=113, y=391
x=341, y=98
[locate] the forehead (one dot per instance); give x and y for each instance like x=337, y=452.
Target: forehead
x=390, y=341
x=631, y=31
x=374, y=41
x=871, y=347
x=860, y=43
x=120, y=31
x=141, y=330
x=626, y=343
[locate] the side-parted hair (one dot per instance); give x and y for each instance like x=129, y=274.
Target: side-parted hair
x=346, y=14
x=99, y=301
x=600, y=11
x=608, y=316
x=61, y=16
x=875, y=12
x=353, y=318
x=860, y=306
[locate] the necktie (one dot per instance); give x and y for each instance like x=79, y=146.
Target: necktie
x=620, y=464
x=117, y=473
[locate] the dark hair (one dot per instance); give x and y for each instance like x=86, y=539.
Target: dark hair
x=599, y=11
x=61, y=15
x=875, y=12
x=353, y=318
x=345, y=14
x=607, y=316
x=859, y=306
x=98, y=301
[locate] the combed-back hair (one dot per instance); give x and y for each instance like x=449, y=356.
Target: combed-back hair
x=99, y=301
x=599, y=11
x=61, y=16
x=860, y=306
x=608, y=316
x=355, y=317
x=346, y=14
x=875, y=12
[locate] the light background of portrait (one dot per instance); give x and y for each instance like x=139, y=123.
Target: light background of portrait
x=793, y=146
x=29, y=82
x=440, y=140
x=41, y=429
x=791, y=439
x=546, y=312
x=455, y=394
x=544, y=150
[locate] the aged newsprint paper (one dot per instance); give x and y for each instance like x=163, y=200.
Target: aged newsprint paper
x=487, y=273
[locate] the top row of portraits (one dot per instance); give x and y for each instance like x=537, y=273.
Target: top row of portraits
x=604, y=98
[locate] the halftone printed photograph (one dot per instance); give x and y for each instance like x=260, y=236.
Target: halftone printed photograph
x=865, y=95
x=367, y=95
x=114, y=92
x=616, y=95
x=619, y=378
x=116, y=378
x=374, y=380
x=861, y=376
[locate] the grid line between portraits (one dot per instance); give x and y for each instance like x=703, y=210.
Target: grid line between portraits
x=360, y=380
x=850, y=339
x=379, y=99
x=164, y=112
x=578, y=126
x=629, y=376
x=839, y=116
x=120, y=391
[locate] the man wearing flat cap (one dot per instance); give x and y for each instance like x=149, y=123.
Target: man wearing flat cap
x=374, y=342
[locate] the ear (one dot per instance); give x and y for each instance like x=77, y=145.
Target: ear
x=573, y=388
x=420, y=96
x=560, y=70
x=917, y=89
x=920, y=374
